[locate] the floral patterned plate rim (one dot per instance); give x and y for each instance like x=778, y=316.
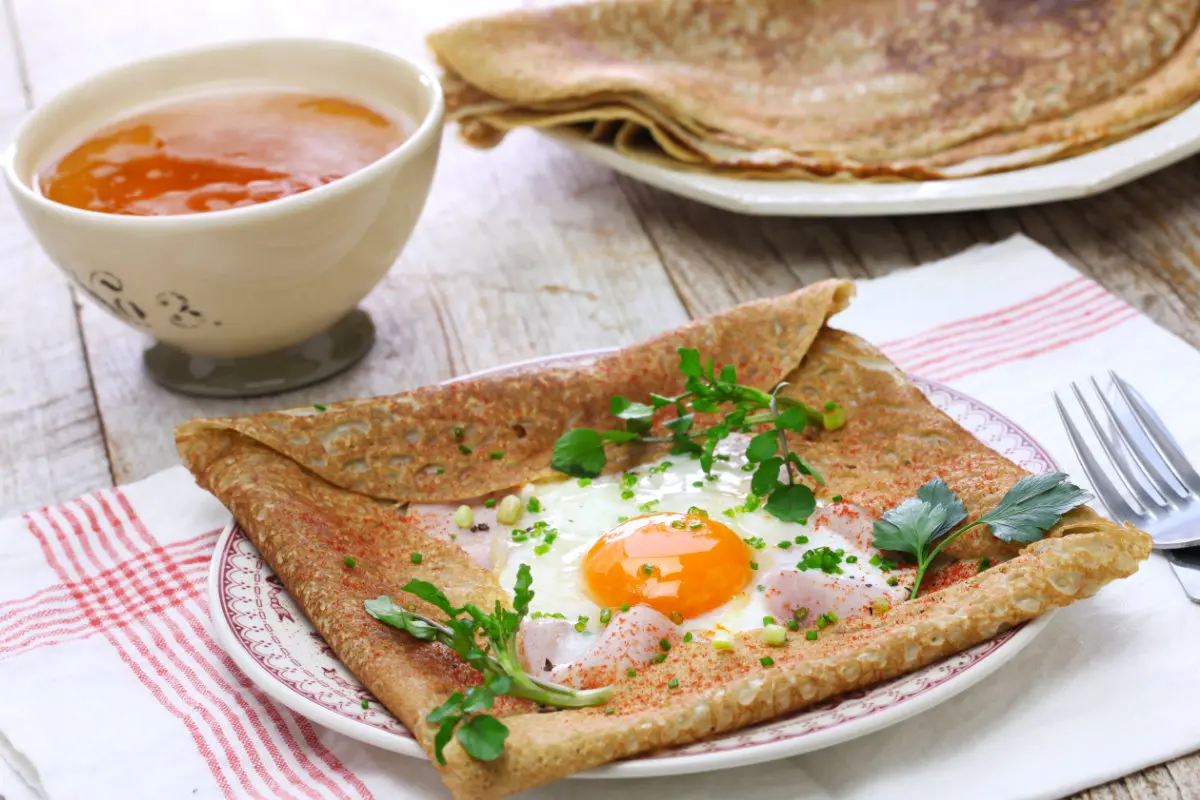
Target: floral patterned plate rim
x=269, y=638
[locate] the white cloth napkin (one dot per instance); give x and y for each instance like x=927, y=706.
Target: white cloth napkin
x=111, y=686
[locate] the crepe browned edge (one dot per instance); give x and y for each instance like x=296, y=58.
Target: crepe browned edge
x=862, y=89
x=893, y=441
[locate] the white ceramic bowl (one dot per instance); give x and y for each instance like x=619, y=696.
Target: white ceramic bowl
x=246, y=281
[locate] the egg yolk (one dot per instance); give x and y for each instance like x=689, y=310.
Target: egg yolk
x=674, y=563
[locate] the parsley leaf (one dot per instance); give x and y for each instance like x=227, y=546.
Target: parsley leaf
x=912, y=525
x=483, y=737
x=638, y=416
x=791, y=503
x=766, y=477
x=763, y=446
x=579, y=453
x=1033, y=506
x=689, y=362
x=793, y=419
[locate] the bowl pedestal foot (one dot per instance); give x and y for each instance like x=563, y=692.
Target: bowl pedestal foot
x=309, y=362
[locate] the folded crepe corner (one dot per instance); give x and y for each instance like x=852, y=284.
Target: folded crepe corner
x=856, y=90
x=310, y=487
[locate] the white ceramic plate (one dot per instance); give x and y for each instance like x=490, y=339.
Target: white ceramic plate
x=1091, y=173
x=269, y=638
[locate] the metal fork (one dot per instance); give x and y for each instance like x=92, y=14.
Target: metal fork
x=1162, y=489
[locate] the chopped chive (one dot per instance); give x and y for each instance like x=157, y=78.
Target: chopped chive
x=698, y=484
x=350, y=562
x=584, y=482
x=416, y=558
x=893, y=581
x=687, y=637
x=320, y=407
x=793, y=625
x=811, y=635
x=753, y=565
x=366, y=703
x=631, y=672
x=622, y=519
x=605, y=615
x=673, y=683
x=610, y=711
x=837, y=498
x=830, y=405
x=768, y=620
x=489, y=503
x=466, y=451
x=440, y=471
x=676, y=617
x=784, y=545
x=766, y=661
x=496, y=455
x=624, y=606
x=533, y=506
x=801, y=540
x=664, y=644
x=647, y=569
x=660, y=657
x=851, y=559
x=984, y=563
x=627, y=494
x=458, y=433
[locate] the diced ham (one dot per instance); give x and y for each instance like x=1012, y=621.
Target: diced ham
x=555, y=651
x=849, y=522
x=438, y=521
x=790, y=590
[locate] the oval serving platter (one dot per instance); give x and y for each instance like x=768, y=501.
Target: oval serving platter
x=267, y=635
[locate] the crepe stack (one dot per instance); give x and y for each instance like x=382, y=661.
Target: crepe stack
x=312, y=485
x=828, y=89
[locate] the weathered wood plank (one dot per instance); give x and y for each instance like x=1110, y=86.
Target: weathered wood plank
x=523, y=251
x=51, y=445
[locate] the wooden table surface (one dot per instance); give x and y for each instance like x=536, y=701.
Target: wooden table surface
x=524, y=251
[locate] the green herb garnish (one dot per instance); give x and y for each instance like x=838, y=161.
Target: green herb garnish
x=350, y=562
x=481, y=735
x=581, y=452
x=821, y=558
x=1031, y=507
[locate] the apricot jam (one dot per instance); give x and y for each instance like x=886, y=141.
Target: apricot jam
x=219, y=151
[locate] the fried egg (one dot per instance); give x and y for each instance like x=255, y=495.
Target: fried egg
x=696, y=549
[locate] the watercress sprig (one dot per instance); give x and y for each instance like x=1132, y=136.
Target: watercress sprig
x=581, y=452
x=481, y=735
x=1030, y=508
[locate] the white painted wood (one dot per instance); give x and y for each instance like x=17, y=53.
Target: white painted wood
x=51, y=446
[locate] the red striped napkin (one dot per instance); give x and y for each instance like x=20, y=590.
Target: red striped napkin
x=111, y=684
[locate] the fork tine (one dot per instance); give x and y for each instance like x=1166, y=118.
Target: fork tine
x=1158, y=436
x=1119, y=464
x=1152, y=472
x=1108, y=494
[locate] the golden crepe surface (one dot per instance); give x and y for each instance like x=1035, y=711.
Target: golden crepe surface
x=312, y=487
x=828, y=89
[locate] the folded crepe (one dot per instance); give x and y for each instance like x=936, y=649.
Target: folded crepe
x=313, y=485
x=818, y=89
